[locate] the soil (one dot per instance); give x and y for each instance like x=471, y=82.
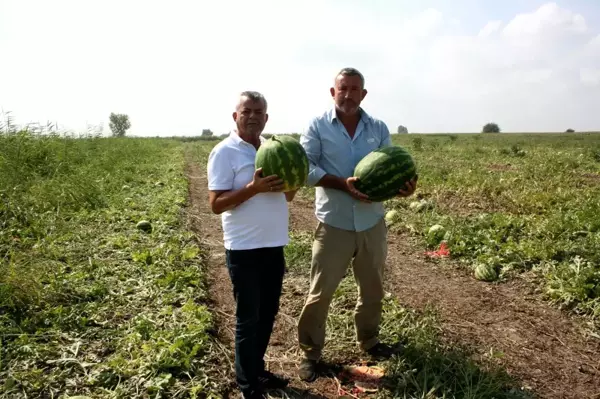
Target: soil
x=543, y=347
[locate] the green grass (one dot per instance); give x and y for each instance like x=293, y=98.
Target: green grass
x=89, y=304
x=517, y=202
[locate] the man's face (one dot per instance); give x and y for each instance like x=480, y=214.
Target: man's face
x=348, y=93
x=250, y=117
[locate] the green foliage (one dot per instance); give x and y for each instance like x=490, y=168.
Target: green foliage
x=119, y=123
x=515, y=203
x=491, y=128
x=296, y=252
x=89, y=303
x=417, y=143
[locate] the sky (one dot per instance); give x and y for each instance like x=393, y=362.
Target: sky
x=177, y=67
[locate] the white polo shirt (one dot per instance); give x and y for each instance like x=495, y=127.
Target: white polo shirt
x=261, y=221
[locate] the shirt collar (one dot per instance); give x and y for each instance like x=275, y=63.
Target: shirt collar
x=238, y=140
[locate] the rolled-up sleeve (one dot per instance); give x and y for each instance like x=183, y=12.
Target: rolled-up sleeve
x=311, y=142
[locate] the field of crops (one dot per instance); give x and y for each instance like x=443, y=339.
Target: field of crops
x=90, y=304
x=517, y=202
x=93, y=304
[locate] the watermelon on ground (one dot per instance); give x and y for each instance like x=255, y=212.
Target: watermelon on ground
x=485, y=272
x=285, y=157
x=384, y=172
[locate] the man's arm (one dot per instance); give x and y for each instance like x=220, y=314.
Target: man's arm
x=386, y=140
x=311, y=142
x=221, y=197
x=316, y=175
x=224, y=200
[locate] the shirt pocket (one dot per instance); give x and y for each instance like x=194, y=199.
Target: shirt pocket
x=366, y=146
x=372, y=142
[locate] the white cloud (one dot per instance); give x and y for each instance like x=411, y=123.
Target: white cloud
x=424, y=24
x=491, y=28
x=590, y=76
x=176, y=68
x=518, y=78
x=548, y=22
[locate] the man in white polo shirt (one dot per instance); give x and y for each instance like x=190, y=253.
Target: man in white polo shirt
x=254, y=213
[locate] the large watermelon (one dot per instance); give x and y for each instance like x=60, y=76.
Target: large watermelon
x=384, y=172
x=285, y=157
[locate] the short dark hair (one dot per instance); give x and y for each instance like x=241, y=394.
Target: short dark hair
x=349, y=71
x=254, y=96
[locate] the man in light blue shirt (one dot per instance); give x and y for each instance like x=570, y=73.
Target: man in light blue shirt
x=351, y=228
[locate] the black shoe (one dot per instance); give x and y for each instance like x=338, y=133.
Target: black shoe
x=268, y=380
x=380, y=351
x=308, y=370
x=253, y=394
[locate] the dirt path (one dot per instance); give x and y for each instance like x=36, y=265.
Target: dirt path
x=540, y=345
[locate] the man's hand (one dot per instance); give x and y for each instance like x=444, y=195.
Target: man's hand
x=410, y=188
x=224, y=200
x=266, y=184
x=350, y=189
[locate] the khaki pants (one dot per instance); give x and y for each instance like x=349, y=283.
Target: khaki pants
x=333, y=250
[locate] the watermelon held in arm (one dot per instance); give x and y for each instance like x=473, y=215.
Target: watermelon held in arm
x=384, y=172
x=285, y=157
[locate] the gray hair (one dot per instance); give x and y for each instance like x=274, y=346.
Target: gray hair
x=349, y=71
x=254, y=96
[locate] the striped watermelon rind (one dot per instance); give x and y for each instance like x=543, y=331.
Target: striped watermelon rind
x=384, y=172
x=485, y=272
x=285, y=157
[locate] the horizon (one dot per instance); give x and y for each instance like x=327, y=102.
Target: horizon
x=437, y=67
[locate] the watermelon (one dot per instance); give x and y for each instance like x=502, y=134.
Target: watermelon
x=144, y=225
x=391, y=216
x=285, y=157
x=485, y=272
x=384, y=172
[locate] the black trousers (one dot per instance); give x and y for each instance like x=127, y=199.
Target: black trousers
x=257, y=278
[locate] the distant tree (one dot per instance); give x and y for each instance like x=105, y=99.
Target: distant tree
x=570, y=131
x=491, y=128
x=402, y=130
x=207, y=133
x=119, y=123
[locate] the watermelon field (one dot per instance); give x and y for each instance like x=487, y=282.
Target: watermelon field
x=96, y=304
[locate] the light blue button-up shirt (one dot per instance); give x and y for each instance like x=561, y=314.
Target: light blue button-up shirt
x=330, y=150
